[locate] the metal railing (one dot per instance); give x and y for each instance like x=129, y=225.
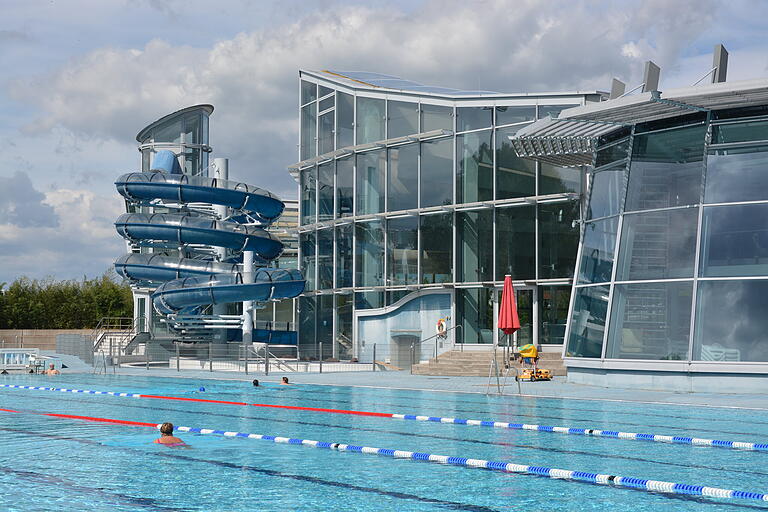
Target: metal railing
x=437, y=337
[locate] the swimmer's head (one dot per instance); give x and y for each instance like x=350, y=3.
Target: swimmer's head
x=166, y=428
x=285, y=380
x=255, y=382
x=51, y=366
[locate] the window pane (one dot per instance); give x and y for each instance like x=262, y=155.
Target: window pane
x=588, y=322
x=345, y=135
x=308, y=195
x=192, y=129
x=308, y=92
x=325, y=104
x=516, y=242
x=325, y=192
x=436, y=241
x=613, y=153
x=370, y=182
x=403, y=119
x=369, y=300
x=475, y=246
x=735, y=241
x=515, y=176
x=558, y=239
x=553, y=313
x=168, y=132
x=740, y=132
x=559, y=180
x=344, y=325
x=474, y=181
x=323, y=91
x=344, y=183
x=308, y=130
x=192, y=161
x=553, y=110
x=473, y=118
x=434, y=117
x=344, y=256
x=437, y=173
x=650, y=321
x=307, y=242
x=307, y=321
x=607, y=192
x=737, y=175
x=369, y=254
x=402, y=251
x=666, y=168
x=395, y=296
x=597, y=251
x=658, y=245
x=731, y=321
x=325, y=139
x=324, y=259
x=403, y=178
x=511, y=114
x=370, y=120
x=475, y=315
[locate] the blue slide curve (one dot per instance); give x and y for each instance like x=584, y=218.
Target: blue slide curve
x=185, y=284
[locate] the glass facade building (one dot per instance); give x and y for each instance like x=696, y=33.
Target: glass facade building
x=674, y=257
x=673, y=254
x=414, y=206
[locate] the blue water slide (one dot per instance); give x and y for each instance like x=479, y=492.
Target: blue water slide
x=269, y=283
x=183, y=228
x=158, y=268
x=147, y=186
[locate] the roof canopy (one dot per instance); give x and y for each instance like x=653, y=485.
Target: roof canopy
x=571, y=138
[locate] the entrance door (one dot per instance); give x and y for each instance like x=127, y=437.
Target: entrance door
x=525, y=298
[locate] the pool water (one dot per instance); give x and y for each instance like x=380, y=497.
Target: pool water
x=66, y=464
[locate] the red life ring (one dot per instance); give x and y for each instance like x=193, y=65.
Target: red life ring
x=441, y=327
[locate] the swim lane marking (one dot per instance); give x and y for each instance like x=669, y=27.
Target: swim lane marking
x=642, y=484
x=614, y=434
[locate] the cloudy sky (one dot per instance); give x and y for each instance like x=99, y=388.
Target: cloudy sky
x=82, y=77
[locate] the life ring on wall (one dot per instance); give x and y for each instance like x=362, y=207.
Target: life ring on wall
x=441, y=328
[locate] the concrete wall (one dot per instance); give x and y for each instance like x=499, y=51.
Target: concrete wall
x=79, y=345
x=670, y=381
x=44, y=339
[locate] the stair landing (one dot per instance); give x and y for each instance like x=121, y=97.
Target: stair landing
x=477, y=363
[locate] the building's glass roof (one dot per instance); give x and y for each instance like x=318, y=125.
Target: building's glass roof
x=394, y=82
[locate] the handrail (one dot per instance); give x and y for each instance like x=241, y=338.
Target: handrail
x=441, y=334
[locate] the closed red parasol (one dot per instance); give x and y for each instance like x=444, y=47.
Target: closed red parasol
x=509, y=322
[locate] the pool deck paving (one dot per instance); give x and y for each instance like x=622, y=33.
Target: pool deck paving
x=558, y=388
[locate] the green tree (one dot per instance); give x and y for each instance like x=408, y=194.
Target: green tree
x=49, y=304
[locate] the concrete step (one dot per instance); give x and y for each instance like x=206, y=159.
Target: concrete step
x=478, y=364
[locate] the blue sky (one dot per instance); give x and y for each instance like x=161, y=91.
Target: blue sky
x=81, y=78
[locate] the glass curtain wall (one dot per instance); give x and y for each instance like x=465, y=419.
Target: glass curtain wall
x=477, y=164
x=679, y=172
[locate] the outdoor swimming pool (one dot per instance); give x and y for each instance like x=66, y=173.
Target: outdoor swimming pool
x=49, y=463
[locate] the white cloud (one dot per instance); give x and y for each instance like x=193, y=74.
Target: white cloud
x=90, y=108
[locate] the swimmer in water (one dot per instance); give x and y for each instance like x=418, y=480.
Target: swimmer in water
x=255, y=383
x=52, y=370
x=284, y=382
x=167, y=438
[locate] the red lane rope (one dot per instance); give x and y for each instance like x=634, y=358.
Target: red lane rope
x=274, y=406
x=88, y=418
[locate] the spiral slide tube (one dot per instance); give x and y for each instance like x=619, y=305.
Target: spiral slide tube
x=642, y=484
x=186, y=283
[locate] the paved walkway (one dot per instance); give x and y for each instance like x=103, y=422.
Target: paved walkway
x=403, y=380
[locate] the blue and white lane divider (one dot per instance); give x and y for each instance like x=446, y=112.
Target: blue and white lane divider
x=738, y=445
x=614, y=434
x=507, y=467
